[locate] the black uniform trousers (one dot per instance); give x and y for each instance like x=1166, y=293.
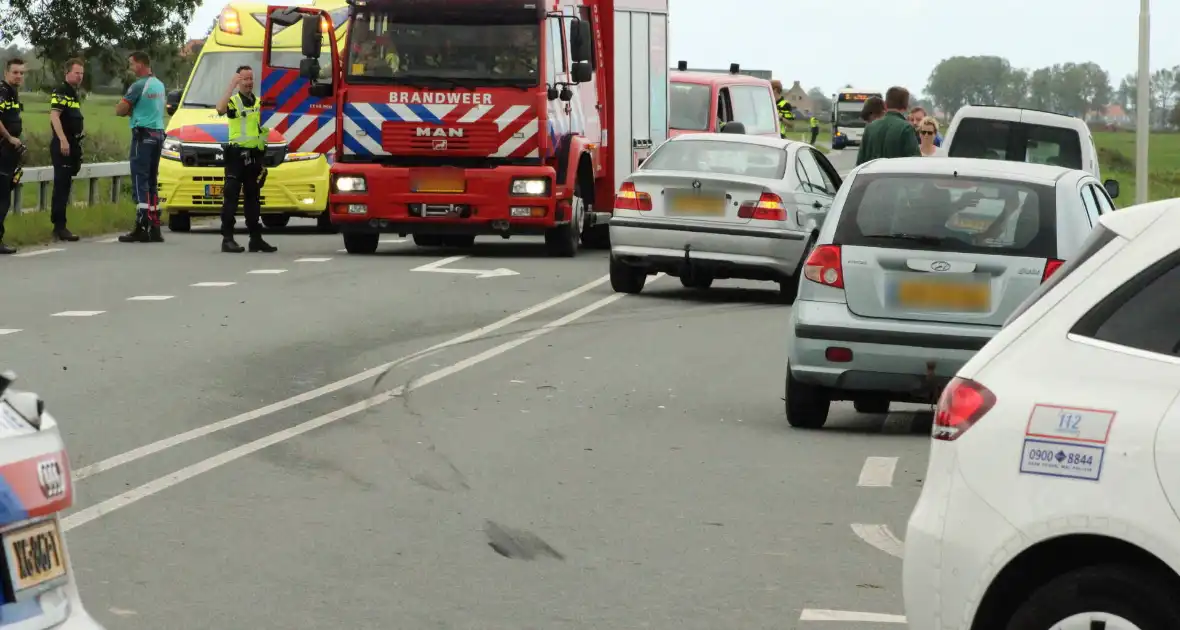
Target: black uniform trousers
x=65, y=167
x=243, y=167
x=9, y=160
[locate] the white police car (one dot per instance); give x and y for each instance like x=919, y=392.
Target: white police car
x=37, y=588
x=1052, y=495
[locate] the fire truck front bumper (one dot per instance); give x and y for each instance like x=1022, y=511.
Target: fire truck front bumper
x=501, y=201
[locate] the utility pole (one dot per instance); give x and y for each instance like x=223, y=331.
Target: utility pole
x=1143, y=103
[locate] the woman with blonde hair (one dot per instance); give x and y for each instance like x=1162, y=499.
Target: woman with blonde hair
x=927, y=130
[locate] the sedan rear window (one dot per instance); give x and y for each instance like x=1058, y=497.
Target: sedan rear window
x=718, y=156
x=688, y=106
x=950, y=214
x=1016, y=142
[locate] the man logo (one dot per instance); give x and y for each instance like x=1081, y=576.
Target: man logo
x=53, y=482
x=940, y=265
x=439, y=132
x=440, y=145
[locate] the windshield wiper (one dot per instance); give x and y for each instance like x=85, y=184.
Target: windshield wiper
x=924, y=239
x=200, y=105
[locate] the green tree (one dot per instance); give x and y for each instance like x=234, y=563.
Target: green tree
x=979, y=80
x=99, y=32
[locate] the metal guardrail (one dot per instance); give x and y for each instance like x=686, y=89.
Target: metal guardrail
x=42, y=177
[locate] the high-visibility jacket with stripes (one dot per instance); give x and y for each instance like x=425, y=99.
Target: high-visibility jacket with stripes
x=245, y=128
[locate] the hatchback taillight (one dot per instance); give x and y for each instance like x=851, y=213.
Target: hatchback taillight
x=961, y=405
x=1051, y=266
x=823, y=266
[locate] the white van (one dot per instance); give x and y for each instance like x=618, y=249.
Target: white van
x=1024, y=135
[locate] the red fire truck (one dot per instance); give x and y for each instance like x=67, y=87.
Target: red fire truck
x=456, y=118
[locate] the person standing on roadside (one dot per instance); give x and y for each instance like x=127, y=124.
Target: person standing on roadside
x=917, y=115
x=11, y=148
x=65, y=150
x=891, y=135
x=245, y=168
x=814, y=128
x=144, y=104
x=873, y=109
x=786, y=115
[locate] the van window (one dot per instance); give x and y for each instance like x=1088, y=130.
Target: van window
x=688, y=106
x=1016, y=142
x=753, y=106
x=208, y=81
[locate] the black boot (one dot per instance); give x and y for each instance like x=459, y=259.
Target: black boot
x=154, y=235
x=138, y=235
x=63, y=234
x=230, y=246
x=5, y=249
x=258, y=245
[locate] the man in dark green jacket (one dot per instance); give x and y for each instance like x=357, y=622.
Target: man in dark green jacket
x=892, y=135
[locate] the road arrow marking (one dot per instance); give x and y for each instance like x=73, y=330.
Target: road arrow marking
x=439, y=266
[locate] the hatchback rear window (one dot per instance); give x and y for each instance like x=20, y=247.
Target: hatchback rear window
x=950, y=214
x=718, y=156
x=1016, y=142
x=688, y=106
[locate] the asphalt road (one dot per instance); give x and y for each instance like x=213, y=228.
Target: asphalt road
x=568, y=458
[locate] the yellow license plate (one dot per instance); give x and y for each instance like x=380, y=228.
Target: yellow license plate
x=213, y=190
x=948, y=296
x=34, y=555
x=708, y=206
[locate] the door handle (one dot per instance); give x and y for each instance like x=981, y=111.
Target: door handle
x=817, y=205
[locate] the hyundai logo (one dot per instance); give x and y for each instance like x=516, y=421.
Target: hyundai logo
x=940, y=265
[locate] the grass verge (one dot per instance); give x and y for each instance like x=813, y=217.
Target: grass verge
x=34, y=228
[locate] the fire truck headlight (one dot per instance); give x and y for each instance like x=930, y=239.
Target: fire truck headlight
x=530, y=187
x=351, y=184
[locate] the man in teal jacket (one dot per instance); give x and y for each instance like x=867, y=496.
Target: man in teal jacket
x=891, y=135
x=144, y=105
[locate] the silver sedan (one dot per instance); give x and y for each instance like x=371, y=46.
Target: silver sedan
x=709, y=206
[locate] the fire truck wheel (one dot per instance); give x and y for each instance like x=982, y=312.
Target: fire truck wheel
x=361, y=243
x=563, y=240
x=323, y=223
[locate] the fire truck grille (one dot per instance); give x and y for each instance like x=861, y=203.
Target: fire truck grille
x=473, y=139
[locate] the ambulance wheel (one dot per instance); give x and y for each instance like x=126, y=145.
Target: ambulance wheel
x=179, y=223
x=361, y=243
x=274, y=221
x=563, y=240
x=323, y=223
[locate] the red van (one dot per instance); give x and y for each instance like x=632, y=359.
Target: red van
x=698, y=101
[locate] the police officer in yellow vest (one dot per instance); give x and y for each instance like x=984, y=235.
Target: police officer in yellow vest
x=814, y=122
x=786, y=115
x=245, y=154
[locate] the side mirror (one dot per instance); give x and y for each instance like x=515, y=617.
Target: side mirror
x=1112, y=188
x=580, y=41
x=309, y=68
x=551, y=93
x=313, y=37
x=172, y=102
x=566, y=95
x=581, y=73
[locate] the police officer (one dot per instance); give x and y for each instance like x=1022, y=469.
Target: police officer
x=814, y=128
x=786, y=116
x=65, y=118
x=11, y=148
x=245, y=170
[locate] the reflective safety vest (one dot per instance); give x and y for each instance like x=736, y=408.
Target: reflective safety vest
x=393, y=60
x=246, y=130
x=814, y=122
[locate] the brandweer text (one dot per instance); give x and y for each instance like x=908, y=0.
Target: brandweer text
x=439, y=98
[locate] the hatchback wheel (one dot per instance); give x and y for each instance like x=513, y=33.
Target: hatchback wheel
x=807, y=405
x=1109, y=596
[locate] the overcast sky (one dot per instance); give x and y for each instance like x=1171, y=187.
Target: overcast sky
x=878, y=43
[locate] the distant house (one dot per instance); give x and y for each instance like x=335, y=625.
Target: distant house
x=191, y=46
x=1110, y=115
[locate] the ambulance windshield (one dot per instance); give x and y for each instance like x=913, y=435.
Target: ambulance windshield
x=383, y=51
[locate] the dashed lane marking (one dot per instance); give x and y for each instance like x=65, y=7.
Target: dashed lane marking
x=312, y=259
x=268, y=271
x=816, y=614
x=880, y=537
x=77, y=313
x=38, y=252
x=110, y=240
x=150, y=298
x=393, y=240
x=877, y=472
x=9, y=331
x=213, y=284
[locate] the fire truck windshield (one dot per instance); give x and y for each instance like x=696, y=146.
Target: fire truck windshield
x=381, y=51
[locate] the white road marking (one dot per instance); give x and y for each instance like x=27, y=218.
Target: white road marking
x=213, y=284
x=199, y=432
x=880, y=537
x=312, y=259
x=77, y=313
x=877, y=472
x=150, y=298
x=110, y=240
x=393, y=240
x=9, y=331
x=38, y=252
x=268, y=271
x=81, y=517
x=440, y=266
x=815, y=614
